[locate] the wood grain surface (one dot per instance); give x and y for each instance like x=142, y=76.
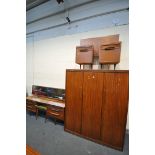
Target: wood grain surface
x=74, y=83
x=115, y=108
x=92, y=104
x=98, y=41
x=97, y=105
x=31, y=151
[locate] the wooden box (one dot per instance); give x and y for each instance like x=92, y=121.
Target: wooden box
x=84, y=54
x=110, y=53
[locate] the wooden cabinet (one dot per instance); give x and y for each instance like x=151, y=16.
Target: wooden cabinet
x=53, y=107
x=115, y=109
x=96, y=105
x=92, y=104
x=74, y=84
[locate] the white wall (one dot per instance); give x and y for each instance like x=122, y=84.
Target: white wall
x=52, y=56
x=29, y=63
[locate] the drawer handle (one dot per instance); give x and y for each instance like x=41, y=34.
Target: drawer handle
x=57, y=110
x=29, y=106
x=109, y=48
x=54, y=114
x=84, y=50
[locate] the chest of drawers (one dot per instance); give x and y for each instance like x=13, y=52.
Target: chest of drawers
x=56, y=112
x=54, y=107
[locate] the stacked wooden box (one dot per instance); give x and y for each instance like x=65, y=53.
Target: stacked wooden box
x=107, y=49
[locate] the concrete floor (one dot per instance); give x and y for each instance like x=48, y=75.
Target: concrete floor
x=51, y=139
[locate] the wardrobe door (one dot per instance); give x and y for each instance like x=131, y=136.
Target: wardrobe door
x=114, y=110
x=92, y=105
x=74, y=81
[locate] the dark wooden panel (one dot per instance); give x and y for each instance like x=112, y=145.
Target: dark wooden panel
x=92, y=103
x=97, y=42
x=74, y=82
x=114, y=109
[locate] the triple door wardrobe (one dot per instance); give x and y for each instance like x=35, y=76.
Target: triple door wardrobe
x=97, y=105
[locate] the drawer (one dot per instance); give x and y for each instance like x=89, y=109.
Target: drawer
x=30, y=105
x=84, y=55
x=56, y=112
x=31, y=109
x=110, y=54
x=29, y=102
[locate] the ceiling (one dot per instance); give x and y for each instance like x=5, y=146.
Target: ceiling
x=33, y=3
x=48, y=14
x=67, y=3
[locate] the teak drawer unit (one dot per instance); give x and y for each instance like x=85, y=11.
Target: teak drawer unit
x=30, y=105
x=56, y=112
x=97, y=105
x=84, y=54
x=110, y=53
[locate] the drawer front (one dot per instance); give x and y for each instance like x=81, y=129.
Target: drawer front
x=30, y=102
x=31, y=109
x=56, y=112
x=30, y=105
x=84, y=55
x=110, y=53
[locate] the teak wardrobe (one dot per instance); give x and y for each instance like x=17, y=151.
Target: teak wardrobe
x=97, y=105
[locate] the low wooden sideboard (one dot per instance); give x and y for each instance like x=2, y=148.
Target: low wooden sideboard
x=55, y=107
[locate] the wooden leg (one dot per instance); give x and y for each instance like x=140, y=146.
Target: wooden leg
x=114, y=66
x=91, y=66
x=102, y=66
x=80, y=66
x=36, y=114
x=55, y=121
x=45, y=118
